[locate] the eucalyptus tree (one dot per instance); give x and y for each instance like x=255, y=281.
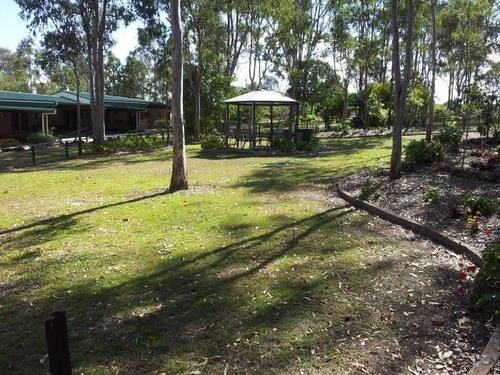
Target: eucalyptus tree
x=261, y=27
x=112, y=71
x=202, y=30
x=301, y=30
x=401, y=83
x=341, y=43
x=13, y=70
x=464, y=42
x=63, y=47
x=155, y=46
x=235, y=15
x=179, y=169
x=97, y=19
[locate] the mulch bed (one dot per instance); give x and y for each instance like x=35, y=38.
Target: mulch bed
x=406, y=197
x=439, y=332
x=424, y=302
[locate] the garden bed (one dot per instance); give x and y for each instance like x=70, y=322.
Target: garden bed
x=436, y=197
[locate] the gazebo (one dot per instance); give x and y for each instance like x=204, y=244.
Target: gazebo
x=262, y=98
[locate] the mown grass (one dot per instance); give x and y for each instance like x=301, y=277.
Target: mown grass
x=250, y=271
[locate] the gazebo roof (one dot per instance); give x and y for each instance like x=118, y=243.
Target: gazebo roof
x=261, y=97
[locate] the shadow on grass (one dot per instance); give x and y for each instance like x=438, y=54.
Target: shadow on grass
x=21, y=162
x=327, y=147
x=294, y=175
x=63, y=222
x=185, y=310
x=221, y=310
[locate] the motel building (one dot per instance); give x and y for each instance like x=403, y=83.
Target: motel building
x=22, y=114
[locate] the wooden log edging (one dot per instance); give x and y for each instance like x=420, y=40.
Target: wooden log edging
x=434, y=235
x=489, y=356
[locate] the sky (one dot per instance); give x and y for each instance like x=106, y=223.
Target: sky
x=13, y=29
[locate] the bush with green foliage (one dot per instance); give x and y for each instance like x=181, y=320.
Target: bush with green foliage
x=432, y=196
x=283, y=144
x=486, y=288
x=342, y=127
x=369, y=189
x=37, y=138
x=377, y=113
x=8, y=142
x=478, y=204
x=160, y=123
x=132, y=143
x=307, y=146
x=450, y=136
x=420, y=152
x=212, y=141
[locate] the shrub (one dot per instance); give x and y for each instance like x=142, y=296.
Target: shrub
x=432, y=196
x=212, y=141
x=377, y=113
x=486, y=288
x=450, y=136
x=283, y=144
x=160, y=123
x=479, y=204
x=342, y=127
x=418, y=153
x=132, y=143
x=8, y=142
x=487, y=160
x=36, y=138
x=307, y=146
x=369, y=188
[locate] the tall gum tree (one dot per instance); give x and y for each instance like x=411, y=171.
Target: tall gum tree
x=179, y=169
x=401, y=85
x=98, y=19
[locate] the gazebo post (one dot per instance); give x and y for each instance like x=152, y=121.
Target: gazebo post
x=238, y=127
x=290, y=123
x=226, y=135
x=297, y=117
x=271, y=136
x=254, y=130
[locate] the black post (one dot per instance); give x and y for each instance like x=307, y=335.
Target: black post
x=162, y=135
x=297, y=117
x=226, y=130
x=272, y=124
x=238, y=128
x=254, y=128
x=33, y=157
x=56, y=333
x=80, y=151
x=66, y=150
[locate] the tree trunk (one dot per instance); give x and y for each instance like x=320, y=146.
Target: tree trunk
x=78, y=110
x=395, y=171
x=197, y=112
x=179, y=171
x=430, y=122
x=346, y=99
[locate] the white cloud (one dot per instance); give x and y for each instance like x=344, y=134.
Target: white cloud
x=126, y=40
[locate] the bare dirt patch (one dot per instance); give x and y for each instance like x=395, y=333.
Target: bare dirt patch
x=421, y=321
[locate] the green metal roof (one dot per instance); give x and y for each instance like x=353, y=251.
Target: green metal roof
x=16, y=101
x=110, y=101
x=26, y=102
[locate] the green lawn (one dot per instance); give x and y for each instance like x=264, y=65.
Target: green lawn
x=245, y=272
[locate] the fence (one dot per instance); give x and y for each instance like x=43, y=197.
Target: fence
x=65, y=149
